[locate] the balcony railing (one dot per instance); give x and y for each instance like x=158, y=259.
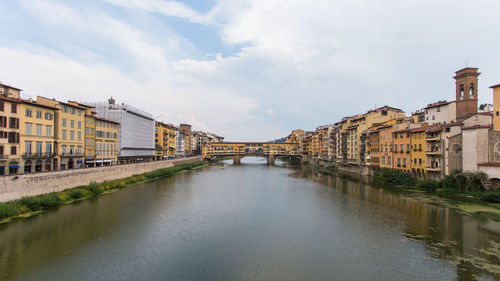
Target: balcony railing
x=433, y=152
x=4, y=157
x=433, y=169
x=38, y=155
x=71, y=155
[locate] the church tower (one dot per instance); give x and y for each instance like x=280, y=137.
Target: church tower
x=466, y=92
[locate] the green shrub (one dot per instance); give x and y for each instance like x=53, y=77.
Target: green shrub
x=50, y=200
x=7, y=210
x=492, y=196
x=428, y=185
x=76, y=193
x=94, y=188
x=397, y=177
x=33, y=203
x=474, y=181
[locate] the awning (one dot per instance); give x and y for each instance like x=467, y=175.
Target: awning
x=107, y=160
x=14, y=166
x=90, y=161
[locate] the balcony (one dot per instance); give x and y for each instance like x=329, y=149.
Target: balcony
x=433, y=152
x=71, y=155
x=432, y=138
x=4, y=157
x=433, y=169
x=38, y=155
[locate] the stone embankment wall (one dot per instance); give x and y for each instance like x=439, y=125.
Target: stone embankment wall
x=353, y=169
x=17, y=186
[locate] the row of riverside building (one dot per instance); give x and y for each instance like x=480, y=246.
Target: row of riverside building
x=431, y=143
x=48, y=135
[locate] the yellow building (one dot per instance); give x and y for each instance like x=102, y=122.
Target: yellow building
x=106, y=142
x=496, y=107
x=69, y=137
x=37, y=136
x=9, y=130
x=161, y=140
x=90, y=137
x=418, y=151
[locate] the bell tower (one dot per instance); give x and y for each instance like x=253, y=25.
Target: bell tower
x=466, y=92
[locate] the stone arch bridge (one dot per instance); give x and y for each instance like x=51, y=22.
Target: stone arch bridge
x=238, y=150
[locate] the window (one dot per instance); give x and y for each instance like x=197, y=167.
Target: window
x=389, y=162
x=39, y=114
x=1, y=106
x=28, y=129
x=14, y=108
x=14, y=123
x=48, y=148
x=461, y=93
x=1, y=150
x=420, y=161
x=48, y=131
x=39, y=129
x=390, y=150
x=439, y=109
x=27, y=148
x=471, y=90
x=48, y=116
x=415, y=161
x=64, y=122
x=64, y=108
x=28, y=112
x=63, y=134
x=13, y=150
x=63, y=149
x=404, y=161
x=38, y=148
x=13, y=137
x=402, y=147
x=383, y=160
x=79, y=112
x=79, y=124
x=72, y=123
x=72, y=135
x=71, y=110
x=79, y=136
x=3, y=122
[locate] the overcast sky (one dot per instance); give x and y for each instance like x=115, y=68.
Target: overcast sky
x=250, y=70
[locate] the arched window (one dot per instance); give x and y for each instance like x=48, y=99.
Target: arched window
x=496, y=148
x=27, y=166
x=461, y=92
x=471, y=90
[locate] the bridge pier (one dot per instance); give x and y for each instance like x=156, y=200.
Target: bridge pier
x=270, y=160
x=236, y=159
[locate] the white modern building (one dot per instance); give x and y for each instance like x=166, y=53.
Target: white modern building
x=136, y=137
x=180, y=144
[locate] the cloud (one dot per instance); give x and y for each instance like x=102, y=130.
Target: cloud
x=298, y=63
x=167, y=8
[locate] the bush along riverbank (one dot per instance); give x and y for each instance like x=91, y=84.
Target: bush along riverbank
x=28, y=206
x=464, y=191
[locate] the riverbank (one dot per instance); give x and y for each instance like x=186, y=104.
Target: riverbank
x=476, y=202
x=30, y=205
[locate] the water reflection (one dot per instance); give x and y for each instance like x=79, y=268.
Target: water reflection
x=250, y=222
x=460, y=239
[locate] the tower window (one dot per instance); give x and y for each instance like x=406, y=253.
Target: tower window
x=461, y=91
x=471, y=91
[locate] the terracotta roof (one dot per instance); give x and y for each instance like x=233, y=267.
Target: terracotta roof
x=477, y=127
x=402, y=130
x=436, y=104
x=9, y=99
x=495, y=86
x=102, y=119
x=456, y=123
x=37, y=104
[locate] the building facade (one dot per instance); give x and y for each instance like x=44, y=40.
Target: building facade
x=9, y=130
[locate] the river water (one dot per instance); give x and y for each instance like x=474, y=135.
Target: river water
x=250, y=222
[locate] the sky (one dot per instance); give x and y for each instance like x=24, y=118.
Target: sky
x=249, y=70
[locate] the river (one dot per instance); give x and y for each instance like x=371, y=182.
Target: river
x=250, y=222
